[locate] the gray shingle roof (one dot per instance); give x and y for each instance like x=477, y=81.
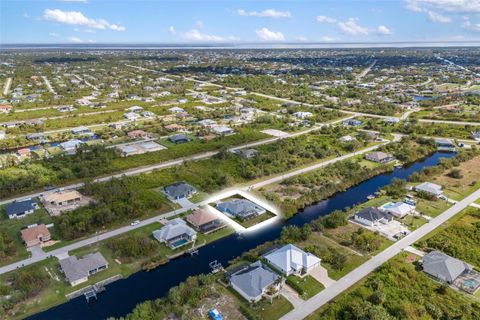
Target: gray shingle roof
x=174, y=229
x=76, y=269
x=179, y=190
x=240, y=207
x=373, y=214
x=253, y=280
x=444, y=267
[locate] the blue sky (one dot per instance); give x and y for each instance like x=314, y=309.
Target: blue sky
x=181, y=21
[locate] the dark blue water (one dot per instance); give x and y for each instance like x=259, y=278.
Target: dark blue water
x=423, y=98
x=122, y=296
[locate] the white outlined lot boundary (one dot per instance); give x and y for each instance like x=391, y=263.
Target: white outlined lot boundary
x=235, y=225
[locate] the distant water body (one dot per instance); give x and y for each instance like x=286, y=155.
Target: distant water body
x=195, y=46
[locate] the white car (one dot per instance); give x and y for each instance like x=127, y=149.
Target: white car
x=134, y=223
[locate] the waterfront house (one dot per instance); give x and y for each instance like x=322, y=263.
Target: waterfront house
x=175, y=234
x=445, y=145
x=372, y=216
x=291, y=260
x=35, y=235
x=179, y=190
x=397, y=209
x=205, y=221
x=82, y=131
x=430, y=188
x=379, y=157
x=240, y=208
x=70, y=146
x=78, y=270
x=19, y=209
x=255, y=281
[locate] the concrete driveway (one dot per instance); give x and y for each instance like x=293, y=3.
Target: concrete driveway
x=321, y=275
x=291, y=295
x=184, y=203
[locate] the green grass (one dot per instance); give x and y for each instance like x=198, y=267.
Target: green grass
x=256, y=220
x=413, y=222
x=309, y=285
x=432, y=208
x=12, y=227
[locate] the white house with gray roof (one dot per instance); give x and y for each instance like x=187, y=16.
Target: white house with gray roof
x=430, y=188
x=78, y=270
x=443, y=267
x=240, y=208
x=291, y=260
x=176, y=233
x=372, y=217
x=254, y=281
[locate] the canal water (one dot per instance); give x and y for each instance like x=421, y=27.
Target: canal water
x=122, y=296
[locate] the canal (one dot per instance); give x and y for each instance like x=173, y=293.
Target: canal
x=123, y=295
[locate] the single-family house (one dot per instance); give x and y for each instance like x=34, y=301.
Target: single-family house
x=78, y=270
x=379, y=157
x=82, y=131
x=135, y=109
x=35, y=235
x=174, y=127
x=176, y=110
x=372, y=216
x=246, y=153
x=179, y=138
x=63, y=198
x=302, y=114
x=176, y=233
x=445, y=145
x=352, y=123
x=345, y=139
x=240, y=208
x=5, y=108
x=443, y=267
x=254, y=281
x=476, y=135
x=223, y=130
x=135, y=134
x=71, y=146
x=179, y=190
x=430, y=188
x=205, y=221
x=132, y=116
x=397, y=209
x=291, y=260
x=19, y=209
x=207, y=123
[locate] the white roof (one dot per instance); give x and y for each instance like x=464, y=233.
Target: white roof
x=290, y=257
x=173, y=229
x=430, y=188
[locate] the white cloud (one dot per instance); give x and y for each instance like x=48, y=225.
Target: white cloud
x=352, y=28
x=26, y=15
x=53, y=34
x=467, y=24
x=75, y=40
x=325, y=19
x=196, y=35
x=269, y=13
x=383, y=30
x=328, y=39
x=171, y=29
x=199, y=24
x=268, y=35
x=438, y=18
x=454, y=6
x=77, y=18
x=301, y=38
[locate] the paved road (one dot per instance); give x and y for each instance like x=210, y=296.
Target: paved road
x=367, y=70
x=461, y=123
x=48, y=84
x=167, y=164
x=64, y=250
x=6, y=88
x=309, y=306
x=86, y=82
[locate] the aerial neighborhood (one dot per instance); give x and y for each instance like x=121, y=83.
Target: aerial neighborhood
x=239, y=183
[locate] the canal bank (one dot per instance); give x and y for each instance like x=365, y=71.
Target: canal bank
x=122, y=296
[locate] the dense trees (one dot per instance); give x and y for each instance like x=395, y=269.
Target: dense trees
x=398, y=291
